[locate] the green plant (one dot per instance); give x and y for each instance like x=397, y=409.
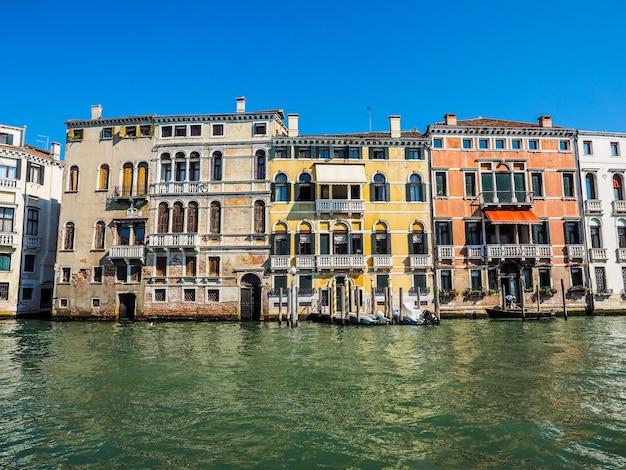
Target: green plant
x=578, y=290
x=474, y=293
x=446, y=295
x=547, y=290
x=493, y=291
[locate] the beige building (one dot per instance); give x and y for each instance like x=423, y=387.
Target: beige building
x=30, y=195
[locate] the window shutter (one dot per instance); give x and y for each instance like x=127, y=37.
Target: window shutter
x=288, y=186
x=151, y=129
x=70, y=134
x=546, y=225
x=372, y=192
x=18, y=169
x=28, y=165
x=272, y=192
x=408, y=192
x=272, y=244
x=297, y=242
x=389, y=251
x=374, y=246
x=10, y=139
x=42, y=169
x=296, y=192
x=288, y=235
x=581, y=232
x=410, y=240
x=122, y=131
x=387, y=191
x=386, y=153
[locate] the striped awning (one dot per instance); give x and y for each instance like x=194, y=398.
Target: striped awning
x=512, y=217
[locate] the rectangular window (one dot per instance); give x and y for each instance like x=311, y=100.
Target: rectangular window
x=544, y=277
x=190, y=267
x=473, y=233
x=5, y=262
x=476, y=282
x=438, y=143
x=29, y=263
x=483, y=143
x=4, y=291
x=600, y=274
x=533, y=144
x=280, y=153
x=339, y=153
x=419, y=280
x=446, y=279
x=443, y=232
x=564, y=145
x=95, y=302
x=190, y=295
x=121, y=273
x=324, y=153
x=304, y=153
x=180, y=131
x=8, y=172
x=106, y=133
x=441, y=184
x=260, y=129
x=470, y=184
x=161, y=266
x=130, y=131
x=536, y=181
x=63, y=303
x=217, y=130
x=77, y=134
x=354, y=153
x=281, y=282
x=568, y=185
x=467, y=143
x=377, y=154
x=305, y=284
x=97, y=274
x=516, y=144
x=577, y=276
x=527, y=275
x=166, y=131
x=27, y=293
x=615, y=149
x=214, y=266
x=32, y=222
x=382, y=281
x=414, y=154
x=34, y=173
x=159, y=295
x=500, y=143
x=145, y=130
x=195, y=130
x=212, y=295
x=587, y=150
x=66, y=274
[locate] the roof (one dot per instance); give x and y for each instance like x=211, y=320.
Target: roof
x=489, y=122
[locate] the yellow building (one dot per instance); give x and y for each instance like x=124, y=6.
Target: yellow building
x=350, y=210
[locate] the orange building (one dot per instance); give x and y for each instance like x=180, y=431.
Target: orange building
x=506, y=213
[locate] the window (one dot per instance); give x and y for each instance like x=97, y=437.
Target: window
x=280, y=152
x=600, y=275
x=166, y=167
x=438, y=143
x=166, y=131
x=467, y=143
x=305, y=284
x=216, y=161
x=212, y=295
x=587, y=149
x=379, y=192
x=4, y=291
x=8, y=172
x=27, y=293
x=441, y=185
x=68, y=236
x=281, y=188
x=382, y=281
x=130, y=131
x=66, y=274
x=354, y=153
x=121, y=273
x=500, y=143
x=304, y=188
x=414, y=154
x=35, y=174
x=590, y=185
x=470, y=184
x=95, y=302
x=417, y=242
x=615, y=149
x=29, y=263
x=305, y=242
x=541, y=233
x=577, y=276
x=73, y=179
x=443, y=232
x=420, y=282
x=564, y=145
x=159, y=295
x=260, y=165
x=97, y=274
x=180, y=131
x=217, y=130
x=304, y=153
x=76, y=134
x=214, y=266
x=6, y=219
x=473, y=233
x=536, y=181
x=103, y=178
x=260, y=129
x=160, y=266
x=323, y=153
x=5, y=262
x=127, y=179
x=32, y=221
x=377, y=154
x=145, y=130
x=476, y=282
x=190, y=295
x=106, y=133
x=414, y=189
x=618, y=187
x=544, y=277
x=594, y=233
x=6, y=138
x=573, y=232
x=259, y=217
x=195, y=130
x=281, y=243
x=98, y=236
x=483, y=143
x=446, y=279
x=63, y=303
x=180, y=167
x=163, y=218
x=216, y=215
x=194, y=166
x=516, y=144
x=381, y=241
x=178, y=217
x=568, y=185
x=192, y=217
x=533, y=144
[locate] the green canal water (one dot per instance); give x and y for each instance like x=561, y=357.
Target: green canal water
x=464, y=394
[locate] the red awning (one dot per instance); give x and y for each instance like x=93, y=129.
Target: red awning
x=512, y=217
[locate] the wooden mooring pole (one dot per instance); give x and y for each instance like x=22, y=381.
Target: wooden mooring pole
x=400, y=299
x=563, y=297
x=280, y=305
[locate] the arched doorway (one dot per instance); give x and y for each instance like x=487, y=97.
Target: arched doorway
x=510, y=279
x=250, y=298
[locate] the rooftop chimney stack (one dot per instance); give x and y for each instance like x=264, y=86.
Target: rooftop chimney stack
x=545, y=121
x=450, y=119
x=394, y=127
x=292, y=120
x=96, y=111
x=55, y=151
x=241, y=104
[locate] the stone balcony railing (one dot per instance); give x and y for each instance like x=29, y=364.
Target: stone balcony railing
x=341, y=261
x=474, y=251
x=593, y=206
x=305, y=261
x=280, y=262
x=173, y=240
x=619, y=207
x=127, y=252
x=519, y=251
x=8, y=183
x=8, y=239
x=382, y=261
x=31, y=241
x=340, y=206
x=445, y=252
x=597, y=254
x=575, y=251
x=419, y=261
x=506, y=198
x=621, y=254
x=178, y=187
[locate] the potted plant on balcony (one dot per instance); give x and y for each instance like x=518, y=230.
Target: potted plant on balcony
x=578, y=291
x=474, y=293
x=446, y=295
x=547, y=291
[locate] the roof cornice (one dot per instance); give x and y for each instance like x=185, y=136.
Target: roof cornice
x=501, y=130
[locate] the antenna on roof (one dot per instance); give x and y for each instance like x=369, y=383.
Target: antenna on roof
x=369, y=114
x=46, y=142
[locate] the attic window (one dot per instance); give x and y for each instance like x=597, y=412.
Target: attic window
x=260, y=129
x=107, y=133
x=131, y=131
x=181, y=131
x=166, y=131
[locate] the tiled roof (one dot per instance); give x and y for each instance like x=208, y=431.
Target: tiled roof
x=27, y=148
x=488, y=122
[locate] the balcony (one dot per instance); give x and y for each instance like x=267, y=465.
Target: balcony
x=597, y=254
x=305, y=262
x=31, y=241
x=593, y=206
x=474, y=251
x=280, y=262
x=8, y=183
x=127, y=193
x=382, y=261
x=619, y=207
x=519, y=251
x=340, y=206
x=173, y=240
x=8, y=239
x=506, y=199
x=419, y=261
x=445, y=252
x=575, y=251
x=341, y=262
x=178, y=187
x=621, y=255
x=128, y=252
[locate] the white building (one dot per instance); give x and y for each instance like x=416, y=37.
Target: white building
x=602, y=160
x=30, y=195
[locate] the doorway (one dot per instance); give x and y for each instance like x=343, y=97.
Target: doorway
x=250, y=296
x=127, y=306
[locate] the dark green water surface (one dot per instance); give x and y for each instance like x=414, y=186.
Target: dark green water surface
x=464, y=394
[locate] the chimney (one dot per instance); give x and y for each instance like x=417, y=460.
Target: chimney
x=241, y=104
x=394, y=127
x=96, y=111
x=292, y=120
x=545, y=121
x=55, y=151
x=450, y=119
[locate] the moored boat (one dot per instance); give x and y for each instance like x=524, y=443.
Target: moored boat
x=515, y=313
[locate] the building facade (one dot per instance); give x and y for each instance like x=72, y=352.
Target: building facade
x=602, y=173
x=350, y=214
x=30, y=196
x=165, y=216
x=506, y=214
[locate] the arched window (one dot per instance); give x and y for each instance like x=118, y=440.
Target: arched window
x=178, y=217
x=595, y=233
x=590, y=183
x=340, y=240
x=103, y=177
x=216, y=216
x=259, y=161
x=618, y=187
x=127, y=179
x=305, y=240
x=166, y=167
x=379, y=188
x=142, y=179
x=216, y=170
x=281, y=188
x=73, y=180
x=194, y=166
x=259, y=217
x=98, y=236
x=381, y=240
x=281, y=240
x=304, y=190
x=180, y=172
x=163, y=221
x=192, y=217
x=68, y=236
x=417, y=241
x=414, y=189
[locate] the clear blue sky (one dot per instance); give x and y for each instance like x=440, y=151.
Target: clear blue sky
x=325, y=60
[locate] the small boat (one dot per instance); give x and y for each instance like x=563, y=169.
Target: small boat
x=515, y=313
x=367, y=319
x=414, y=316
